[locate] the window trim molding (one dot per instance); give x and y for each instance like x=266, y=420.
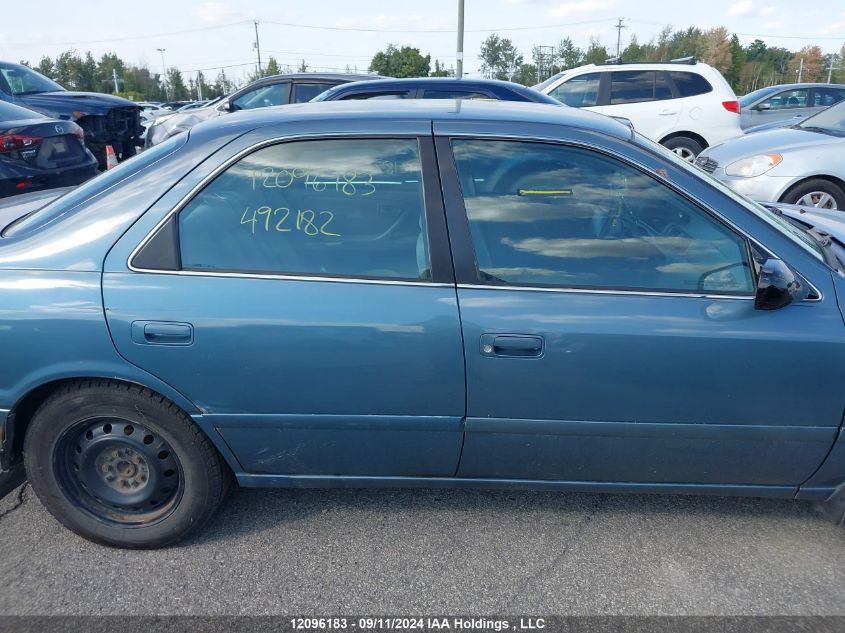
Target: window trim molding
x=454, y=196
x=171, y=216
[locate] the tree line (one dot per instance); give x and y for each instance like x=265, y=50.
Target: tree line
x=745, y=67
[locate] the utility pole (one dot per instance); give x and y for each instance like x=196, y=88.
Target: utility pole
x=545, y=62
x=460, y=56
x=619, y=27
x=117, y=88
x=199, y=85
x=164, y=73
x=257, y=46
x=800, y=70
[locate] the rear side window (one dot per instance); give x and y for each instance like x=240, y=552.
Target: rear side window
x=825, y=97
x=348, y=208
x=303, y=93
x=456, y=94
x=634, y=86
x=690, y=84
x=552, y=215
x=263, y=97
x=579, y=92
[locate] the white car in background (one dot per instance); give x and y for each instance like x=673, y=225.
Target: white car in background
x=684, y=105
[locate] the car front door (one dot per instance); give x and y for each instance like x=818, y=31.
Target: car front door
x=610, y=327
x=783, y=105
x=303, y=298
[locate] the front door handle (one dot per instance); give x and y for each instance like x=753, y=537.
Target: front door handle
x=512, y=345
x=162, y=333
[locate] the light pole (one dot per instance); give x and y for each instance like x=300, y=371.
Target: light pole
x=164, y=73
x=460, y=56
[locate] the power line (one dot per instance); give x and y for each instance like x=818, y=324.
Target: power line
x=130, y=37
x=377, y=30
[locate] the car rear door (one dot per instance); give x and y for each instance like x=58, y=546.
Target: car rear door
x=610, y=328
x=303, y=298
x=645, y=98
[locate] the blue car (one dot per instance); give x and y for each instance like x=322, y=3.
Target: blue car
x=414, y=293
x=435, y=88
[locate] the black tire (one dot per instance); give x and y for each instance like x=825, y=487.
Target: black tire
x=685, y=147
x=808, y=188
x=122, y=466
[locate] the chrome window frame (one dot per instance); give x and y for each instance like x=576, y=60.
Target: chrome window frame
x=636, y=164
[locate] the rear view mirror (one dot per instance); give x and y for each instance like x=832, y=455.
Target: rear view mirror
x=778, y=286
x=761, y=107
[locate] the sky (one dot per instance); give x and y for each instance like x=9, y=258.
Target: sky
x=332, y=34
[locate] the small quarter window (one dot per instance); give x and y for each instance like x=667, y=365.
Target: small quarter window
x=579, y=92
x=349, y=208
x=690, y=84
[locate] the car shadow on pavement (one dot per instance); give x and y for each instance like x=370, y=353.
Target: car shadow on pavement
x=249, y=511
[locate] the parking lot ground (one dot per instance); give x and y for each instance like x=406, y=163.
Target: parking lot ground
x=440, y=551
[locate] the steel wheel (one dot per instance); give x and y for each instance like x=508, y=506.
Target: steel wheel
x=685, y=153
x=119, y=471
x=818, y=199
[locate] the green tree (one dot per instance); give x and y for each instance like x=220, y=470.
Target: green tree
x=303, y=67
x=596, y=53
x=568, y=55
x=272, y=68
x=178, y=91
x=734, y=72
x=107, y=66
x=401, y=62
x=500, y=59
x=46, y=67
x=526, y=74
x=439, y=70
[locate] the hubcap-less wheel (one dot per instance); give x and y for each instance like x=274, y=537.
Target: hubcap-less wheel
x=818, y=199
x=120, y=472
x=685, y=153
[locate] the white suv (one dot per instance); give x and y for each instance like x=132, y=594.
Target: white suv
x=685, y=105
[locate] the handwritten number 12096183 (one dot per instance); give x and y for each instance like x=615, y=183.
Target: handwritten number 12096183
x=350, y=183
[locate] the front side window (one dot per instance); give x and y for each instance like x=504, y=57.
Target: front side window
x=363, y=96
x=263, y=97
x=20, y=80
x=579, y=92
x=552, y=215
x=348, y=208
x=787, y=100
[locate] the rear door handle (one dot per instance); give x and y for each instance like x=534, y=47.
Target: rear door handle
x=162, y=333
x=512, y=345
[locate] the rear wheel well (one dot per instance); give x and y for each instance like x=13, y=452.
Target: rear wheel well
x=27, y=406
x=696, y=137
x=832, y=179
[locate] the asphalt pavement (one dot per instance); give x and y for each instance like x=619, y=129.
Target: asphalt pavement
x=440, y=551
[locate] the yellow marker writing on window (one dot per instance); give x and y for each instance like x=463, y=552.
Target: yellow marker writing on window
x=545, y=192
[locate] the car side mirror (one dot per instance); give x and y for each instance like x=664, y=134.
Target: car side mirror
x=778, y=286
x=230, y=106
x=762, y=107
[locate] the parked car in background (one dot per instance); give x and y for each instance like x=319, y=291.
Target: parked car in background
x=787, y=101
x=435, y=88
x=310, y=244
x=106, y=119
x=684, y=105
x=268, y=91
x=37, y=152
x=801, y=164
